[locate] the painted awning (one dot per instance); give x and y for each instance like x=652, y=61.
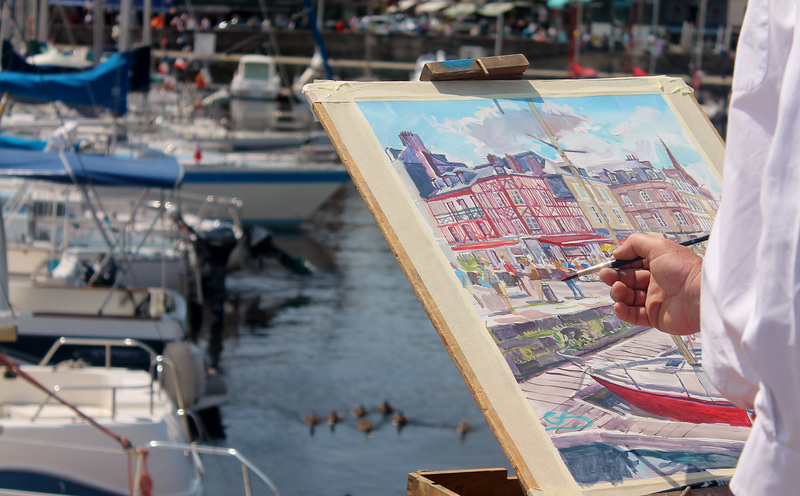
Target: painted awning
x=573, y=239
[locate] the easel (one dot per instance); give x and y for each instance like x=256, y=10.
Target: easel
x=492, y=481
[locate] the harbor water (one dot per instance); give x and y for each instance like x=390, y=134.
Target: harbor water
x=353, y=333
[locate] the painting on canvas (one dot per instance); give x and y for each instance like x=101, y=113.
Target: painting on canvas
x=490, y=194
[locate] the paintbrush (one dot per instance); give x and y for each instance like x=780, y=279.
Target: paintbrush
x=615, y=264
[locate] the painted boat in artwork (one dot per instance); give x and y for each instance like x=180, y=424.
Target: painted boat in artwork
x=670, y=387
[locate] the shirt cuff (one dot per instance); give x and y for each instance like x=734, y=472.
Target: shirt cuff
x=766, y=466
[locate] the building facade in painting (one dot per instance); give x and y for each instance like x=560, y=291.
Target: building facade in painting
x=545, y=210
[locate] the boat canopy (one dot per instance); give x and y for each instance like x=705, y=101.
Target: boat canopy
x=103, y=86
x=91, y=169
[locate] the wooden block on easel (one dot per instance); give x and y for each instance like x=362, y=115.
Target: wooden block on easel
x=489, y=68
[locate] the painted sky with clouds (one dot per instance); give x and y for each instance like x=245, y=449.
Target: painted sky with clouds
x=606, y=128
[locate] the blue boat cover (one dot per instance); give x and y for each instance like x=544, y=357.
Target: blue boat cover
x=19, y=143
x=91, y=169
x=103, y=86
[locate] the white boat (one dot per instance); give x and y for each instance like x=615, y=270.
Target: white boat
x=70, y=428
x=277, y=189
x=255, y=90
x=98, y=306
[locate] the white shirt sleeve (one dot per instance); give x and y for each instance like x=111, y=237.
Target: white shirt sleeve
x=751, y=273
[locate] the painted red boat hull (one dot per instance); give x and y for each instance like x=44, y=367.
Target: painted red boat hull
x=680, y=408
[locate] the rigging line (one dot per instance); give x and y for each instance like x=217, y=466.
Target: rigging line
x=15, y=369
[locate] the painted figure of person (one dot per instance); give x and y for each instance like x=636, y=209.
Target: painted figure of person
x=515, y=276
x=494, y=280
x=572, y=284
x=533, y=276
x=465, y=281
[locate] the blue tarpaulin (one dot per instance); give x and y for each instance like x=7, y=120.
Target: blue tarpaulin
x=104, y=86
x=87, y=168
x=17, y=143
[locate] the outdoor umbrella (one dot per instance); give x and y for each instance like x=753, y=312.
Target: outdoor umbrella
x=460, y=9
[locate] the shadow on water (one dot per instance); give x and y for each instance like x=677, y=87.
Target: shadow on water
x=353, y=333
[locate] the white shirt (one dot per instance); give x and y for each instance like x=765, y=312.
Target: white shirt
x=750, y=308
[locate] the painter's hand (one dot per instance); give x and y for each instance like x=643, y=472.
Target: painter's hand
x=661, y=291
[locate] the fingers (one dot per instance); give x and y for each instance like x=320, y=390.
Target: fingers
x=635, y=279
x=626, y=295
x=633, y=315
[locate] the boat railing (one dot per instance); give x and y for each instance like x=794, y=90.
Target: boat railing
x=248, y=467
x=157, y=363
x=58, y=388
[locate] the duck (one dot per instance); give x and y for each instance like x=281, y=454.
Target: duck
x=359, y=411
x=385, y=408
x=333, y=418
x=400, y=420
x=463, y=428
x=311, y=420
x=366, y=426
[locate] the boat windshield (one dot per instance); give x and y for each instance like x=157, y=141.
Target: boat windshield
x=257, y=70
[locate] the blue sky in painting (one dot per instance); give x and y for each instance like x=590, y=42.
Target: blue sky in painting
x=606, y=128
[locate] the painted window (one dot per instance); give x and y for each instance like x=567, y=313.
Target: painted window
x=618, y=215
x=468, y=233
x=581, y=191
x=595, y=214
x=681, y=219
x=454, y=233
x=645, y=196
x=665, y=195
x=658, y=219
x=533, y=225
x=516, y=197
x=626, y=200
x=500, y=199
x=641, y=222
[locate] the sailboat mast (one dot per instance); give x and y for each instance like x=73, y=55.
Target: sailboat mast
x=98, y=32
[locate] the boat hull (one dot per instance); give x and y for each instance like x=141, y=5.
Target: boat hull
x=678, y=407
x=280, y=198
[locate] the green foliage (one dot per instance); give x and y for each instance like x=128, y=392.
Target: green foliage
x=470, y=264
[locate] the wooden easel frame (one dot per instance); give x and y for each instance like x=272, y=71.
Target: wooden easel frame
x=537, y=463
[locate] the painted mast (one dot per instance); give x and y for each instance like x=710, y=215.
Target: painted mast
x=573, y=170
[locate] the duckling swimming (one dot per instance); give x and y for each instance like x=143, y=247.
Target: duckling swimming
x=359, y=411
x=333, y=418
x=463, y=428
x=400, y=420
x=311, y=420
x=366, y=426
x=385, y=408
